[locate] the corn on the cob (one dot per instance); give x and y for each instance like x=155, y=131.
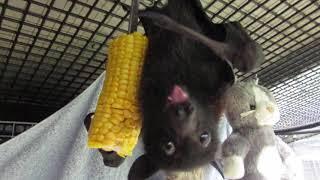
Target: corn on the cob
x=116, y=124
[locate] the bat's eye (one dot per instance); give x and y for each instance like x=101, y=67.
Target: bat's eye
x=169, y=148
x=205, y=139
x=252, y=107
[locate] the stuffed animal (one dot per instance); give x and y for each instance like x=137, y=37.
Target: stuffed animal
x=250, y=152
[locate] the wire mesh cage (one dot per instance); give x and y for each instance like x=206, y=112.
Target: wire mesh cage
x=10, y=129
x=51, y=50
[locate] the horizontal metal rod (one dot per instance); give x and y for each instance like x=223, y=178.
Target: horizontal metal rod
x=308, y=126
x=300, y=132
x=17, y=122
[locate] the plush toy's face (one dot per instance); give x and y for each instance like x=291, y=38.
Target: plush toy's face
x=249, y=104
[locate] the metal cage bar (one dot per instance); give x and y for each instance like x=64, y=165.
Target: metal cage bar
x=51, y=50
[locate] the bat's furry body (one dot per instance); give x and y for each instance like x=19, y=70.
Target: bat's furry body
x=182, y=84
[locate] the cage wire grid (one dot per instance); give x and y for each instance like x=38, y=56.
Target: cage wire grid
x=51, y=50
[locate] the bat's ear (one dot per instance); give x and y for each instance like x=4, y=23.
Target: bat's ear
x=244, y=53
x=142, y=168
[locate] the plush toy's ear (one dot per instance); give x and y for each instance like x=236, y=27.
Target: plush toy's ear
x=142, y=168
x=254, y=80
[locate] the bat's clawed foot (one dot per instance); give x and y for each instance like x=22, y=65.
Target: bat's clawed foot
x=110, y=158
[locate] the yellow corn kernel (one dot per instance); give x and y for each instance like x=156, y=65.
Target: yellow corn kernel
x=116, y=124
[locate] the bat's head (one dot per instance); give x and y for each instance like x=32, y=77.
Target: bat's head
x=182, y=137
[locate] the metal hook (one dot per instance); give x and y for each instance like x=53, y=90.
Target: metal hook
x=133, y=20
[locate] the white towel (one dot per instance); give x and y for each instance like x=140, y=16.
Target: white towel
x=55, y=149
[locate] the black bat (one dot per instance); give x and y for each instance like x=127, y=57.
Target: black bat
x=188, y=67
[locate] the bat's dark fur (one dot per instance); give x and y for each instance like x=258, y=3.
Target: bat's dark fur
x=174, y=59
x=179, y=60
